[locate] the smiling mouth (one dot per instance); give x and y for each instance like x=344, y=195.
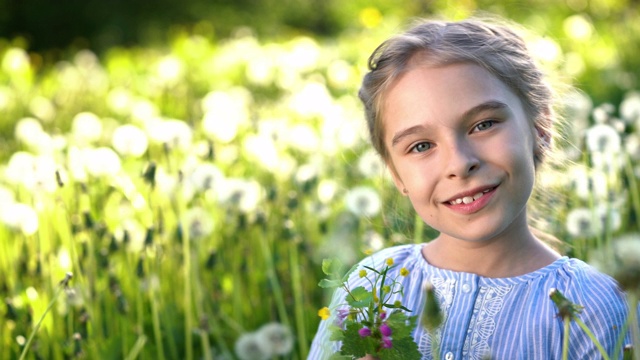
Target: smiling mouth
x=469, y=199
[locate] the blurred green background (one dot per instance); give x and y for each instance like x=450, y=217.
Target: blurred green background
x=192, y=163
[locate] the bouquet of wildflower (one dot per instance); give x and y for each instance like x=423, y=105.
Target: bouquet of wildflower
x=368, y=323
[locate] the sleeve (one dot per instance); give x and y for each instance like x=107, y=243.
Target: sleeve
x=605, y=314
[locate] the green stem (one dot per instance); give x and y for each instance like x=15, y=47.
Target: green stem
x=296, y=280
x=565, y=339
x=418, y=229
x=273, y=279
x=593, y=338
x=61, y=286
x=137, y=347
x=156, y=326
x=633, y=185
x=188, y=321
x=632, y=299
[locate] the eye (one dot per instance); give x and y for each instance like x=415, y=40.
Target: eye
x=421, y=147
x=484, y=125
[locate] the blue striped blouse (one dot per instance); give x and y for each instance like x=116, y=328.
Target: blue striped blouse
x=499, y=318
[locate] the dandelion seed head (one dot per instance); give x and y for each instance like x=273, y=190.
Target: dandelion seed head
x=101, y=162
x=31, y=171
x=25, y=128
x=632, y=146
x=261, y=69
x=145, y=112
x=581, y=222
x=311, y=100
x=120, y=101
x=302, y=137
x=370, y=164
x=578, y=27
x=339, y=74
x=373, y=240
x=199, y=222
x=20, y=217
x=176, y=134
x=225, y=112
x=206, y=176
x=303, y=55
x=21, y=340
x=603, y=138
x=263, y=149
x=64, y=260
x=16, y=61
x=276, y=339
x=86, y=128
x=630, y=107
x=129, y=140
x=248, y=347
x=245, y=195
x=169, y=69
x=42, y=108
x=363, y=201
x=327, y=190
x=32, y=293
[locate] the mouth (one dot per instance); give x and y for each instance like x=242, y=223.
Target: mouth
x=469, y=197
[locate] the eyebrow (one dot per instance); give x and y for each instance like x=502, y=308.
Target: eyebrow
x=488, y=105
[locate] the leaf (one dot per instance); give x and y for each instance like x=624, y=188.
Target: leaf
x=332, y=267
x=401, y=324
x=359, y=297
x=355, y=345
x=372, y=269
x=346, y=276
x=337, y=334
x=337, y=356
x=329, y=284
x=403, y=349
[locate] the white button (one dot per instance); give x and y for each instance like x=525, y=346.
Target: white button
x=466, y=288
x=448, y=356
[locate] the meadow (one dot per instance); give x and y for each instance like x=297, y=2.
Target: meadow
x=177, y=202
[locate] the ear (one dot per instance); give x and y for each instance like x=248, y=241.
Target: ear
x=396, y=178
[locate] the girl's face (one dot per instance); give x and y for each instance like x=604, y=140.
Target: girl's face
x=461, y=145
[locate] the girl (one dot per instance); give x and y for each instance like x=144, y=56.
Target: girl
x=462, y=117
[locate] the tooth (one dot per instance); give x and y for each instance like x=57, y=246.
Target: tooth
x=477, y=196
x=467, y=199
x=458, y=201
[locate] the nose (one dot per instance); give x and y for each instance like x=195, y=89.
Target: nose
x=462, y=160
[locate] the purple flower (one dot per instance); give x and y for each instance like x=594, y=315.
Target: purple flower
x=383, y=315
x=364, y=332
x=386, y=343
x=385, y=330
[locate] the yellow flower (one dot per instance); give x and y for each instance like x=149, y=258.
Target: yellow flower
x=362, y=273
x=386, y=289
x=324, y=313
x=368, y=252
x=389, y=261
x=375, y=298
x=404, y=272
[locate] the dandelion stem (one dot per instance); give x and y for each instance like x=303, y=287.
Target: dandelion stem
x=188, y=322
x=565, y=339
x=137, y=347
x=296, y=281
x=632, y=299
x=61, y=286
x=593, y=338
x=418, y=228
x=273, y=279
x=156, y=327
x=633, y=185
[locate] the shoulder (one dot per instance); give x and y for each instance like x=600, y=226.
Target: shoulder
x=400, y=254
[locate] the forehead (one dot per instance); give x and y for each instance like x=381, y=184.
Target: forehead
x=426, y=93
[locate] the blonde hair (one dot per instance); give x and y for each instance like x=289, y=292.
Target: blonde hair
x=496, y=48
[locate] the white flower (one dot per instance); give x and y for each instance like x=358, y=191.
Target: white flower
x=43, y=108
x=581, y=222
x=206, y=176
x=198, y=222
x=311, y=100
x=602, y=113
x=225, y=112
x=339, y=74
x=363, y=201
x=129, y=140
x=302, y=137
x=249, y=347
x=327, y=190
x=263, y=149
x=25, y=130
x=370, y=165
x=246, y=195
x=373, y=240
x=169, y=69
x=610, y=218
x=630, y=107
x=177, y=134
x=275, y=339
x=120, y=101
x=15, y=60
x=603, y=138
x=86, y=127
x=20, y=217
x=632, y=145
x=32, y=172
x=306, y=173
x=102, y=161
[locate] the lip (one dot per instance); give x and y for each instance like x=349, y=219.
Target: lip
x=475, y=206
x=470, y=192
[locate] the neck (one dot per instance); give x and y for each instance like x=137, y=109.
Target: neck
x=500, y=258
